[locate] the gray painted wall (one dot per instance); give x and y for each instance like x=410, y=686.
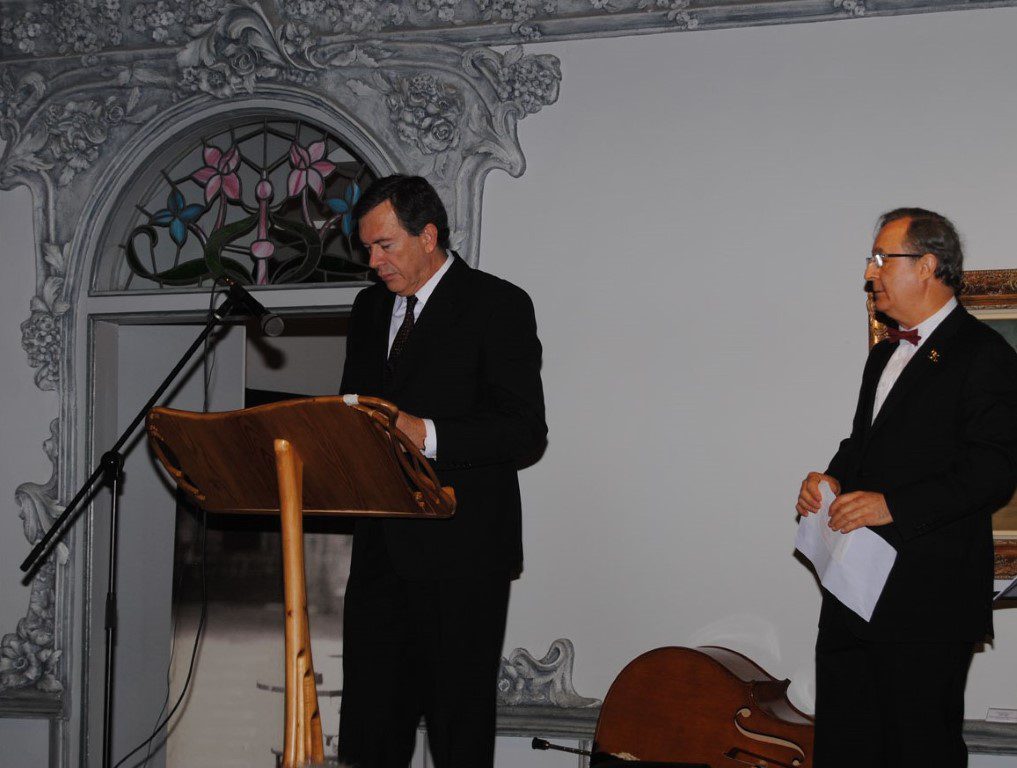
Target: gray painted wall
x=25, y=743
x=299, y=362
x=691, y=227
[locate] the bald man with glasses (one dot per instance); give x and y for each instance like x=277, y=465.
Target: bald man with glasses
x=931, y=455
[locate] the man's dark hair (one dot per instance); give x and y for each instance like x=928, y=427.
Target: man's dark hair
x=415, y=202
x=930, y=232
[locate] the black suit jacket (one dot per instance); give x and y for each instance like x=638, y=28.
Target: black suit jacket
x=943, y=451
x=472, y=364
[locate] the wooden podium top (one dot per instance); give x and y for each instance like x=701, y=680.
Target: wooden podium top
x=355, y=462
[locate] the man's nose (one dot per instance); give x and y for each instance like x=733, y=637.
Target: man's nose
x=373, y=257
x=871, y=270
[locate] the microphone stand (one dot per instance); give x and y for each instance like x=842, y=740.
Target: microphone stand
x=614, y=761
x=110, y=470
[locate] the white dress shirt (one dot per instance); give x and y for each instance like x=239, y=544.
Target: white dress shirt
x=905, y=351
x=398, y=313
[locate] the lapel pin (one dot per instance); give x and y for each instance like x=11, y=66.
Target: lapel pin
x=934, y=356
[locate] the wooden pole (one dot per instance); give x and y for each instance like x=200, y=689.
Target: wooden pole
x=302, y=740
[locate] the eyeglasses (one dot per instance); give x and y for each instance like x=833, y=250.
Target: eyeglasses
x=879, y=259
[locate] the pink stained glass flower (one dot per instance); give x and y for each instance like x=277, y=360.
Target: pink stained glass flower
x=219, y=173
x=310, y=169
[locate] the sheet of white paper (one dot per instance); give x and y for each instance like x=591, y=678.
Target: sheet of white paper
x=852, y=566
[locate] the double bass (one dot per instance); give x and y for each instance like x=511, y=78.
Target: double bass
x=706, y=706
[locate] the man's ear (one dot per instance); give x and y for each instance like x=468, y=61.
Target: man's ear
x=430, y=237
x=928, y=265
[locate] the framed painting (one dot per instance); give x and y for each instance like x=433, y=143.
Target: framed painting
x=991, y=296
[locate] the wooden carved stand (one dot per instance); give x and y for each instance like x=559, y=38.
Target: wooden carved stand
x=325, y=456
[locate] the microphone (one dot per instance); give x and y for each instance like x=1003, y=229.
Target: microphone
x=271, y=323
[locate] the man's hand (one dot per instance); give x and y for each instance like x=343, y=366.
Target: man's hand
x=857, y=509
x=413, y=427
x=809, y=497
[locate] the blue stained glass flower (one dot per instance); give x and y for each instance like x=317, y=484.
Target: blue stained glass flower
x=344, y=205
x=176, y=215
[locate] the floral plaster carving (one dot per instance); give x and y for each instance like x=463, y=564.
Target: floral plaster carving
x=65, y=134
x=62, y=27
x=675, y=12
x=75, y=27
x=525, y=681
x=51, y=136
x=75, y=94
x=427, y=112
x=240, y=48
x=60, y=120
x=29, y=656
x=851, y=7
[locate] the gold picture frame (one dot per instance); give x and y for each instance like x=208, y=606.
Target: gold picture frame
x=990, y=295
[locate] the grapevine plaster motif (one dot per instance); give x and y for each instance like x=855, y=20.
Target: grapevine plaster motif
x=42, y=333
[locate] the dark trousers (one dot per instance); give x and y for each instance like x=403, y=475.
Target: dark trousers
x=883, y=704
x=419, y=648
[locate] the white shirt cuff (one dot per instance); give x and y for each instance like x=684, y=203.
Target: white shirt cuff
x=430, y=440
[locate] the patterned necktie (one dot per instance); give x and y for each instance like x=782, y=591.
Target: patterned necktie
x=400, y=338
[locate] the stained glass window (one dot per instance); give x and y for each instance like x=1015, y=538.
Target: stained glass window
x=267, y=202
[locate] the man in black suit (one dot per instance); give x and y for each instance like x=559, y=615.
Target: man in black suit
x=932, y=454
x=424, y=619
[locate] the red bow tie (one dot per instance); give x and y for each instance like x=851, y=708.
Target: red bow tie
x=896, y=335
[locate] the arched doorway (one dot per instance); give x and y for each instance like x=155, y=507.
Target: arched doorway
x=267, y=198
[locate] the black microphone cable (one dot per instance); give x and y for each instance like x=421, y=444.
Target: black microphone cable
x=208, y=367
x=178, y=581
x=194, y=653
x=177, y=586
x=208, y=364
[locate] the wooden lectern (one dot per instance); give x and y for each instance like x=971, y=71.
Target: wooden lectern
x=324, y=456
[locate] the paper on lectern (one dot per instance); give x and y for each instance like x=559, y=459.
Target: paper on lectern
x=853, y=566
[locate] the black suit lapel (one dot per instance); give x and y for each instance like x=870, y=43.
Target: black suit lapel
x=880, y=357
x=441, y=310
x=923, y=364
x=378, y=350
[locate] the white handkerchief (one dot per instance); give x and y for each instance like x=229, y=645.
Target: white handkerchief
x=852, y=566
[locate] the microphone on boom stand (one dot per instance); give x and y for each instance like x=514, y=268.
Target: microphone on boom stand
x=241, y=298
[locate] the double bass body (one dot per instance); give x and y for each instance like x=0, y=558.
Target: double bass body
x=705, y=705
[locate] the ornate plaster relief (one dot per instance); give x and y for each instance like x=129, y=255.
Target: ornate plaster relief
x=77, y=101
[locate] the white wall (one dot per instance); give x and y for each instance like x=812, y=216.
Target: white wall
x=691, y=226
